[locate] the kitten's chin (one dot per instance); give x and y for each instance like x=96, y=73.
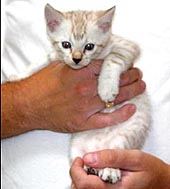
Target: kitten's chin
x=77, y=66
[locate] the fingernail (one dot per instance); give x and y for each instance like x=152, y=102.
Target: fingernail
x=90, y=158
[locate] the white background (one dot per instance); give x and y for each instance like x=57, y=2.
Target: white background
x=38, y=160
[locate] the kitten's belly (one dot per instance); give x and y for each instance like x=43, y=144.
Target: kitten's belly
x=129, y=134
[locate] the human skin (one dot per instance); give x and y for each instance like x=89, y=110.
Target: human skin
x=61, y=99
x=139, y=170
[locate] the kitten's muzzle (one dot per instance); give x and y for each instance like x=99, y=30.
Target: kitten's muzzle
x=77, y=56
x=77, y=60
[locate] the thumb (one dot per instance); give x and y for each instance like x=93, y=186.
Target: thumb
x=130, y=160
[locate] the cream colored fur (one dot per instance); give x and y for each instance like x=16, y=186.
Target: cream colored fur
x=80, y=28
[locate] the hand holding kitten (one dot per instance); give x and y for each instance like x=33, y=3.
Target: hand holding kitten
x=139, y=170
x=44, y=101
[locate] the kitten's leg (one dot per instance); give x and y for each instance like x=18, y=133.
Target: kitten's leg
x=121, y=58
x=108, y=86
x=112, y=175
x=109, y=175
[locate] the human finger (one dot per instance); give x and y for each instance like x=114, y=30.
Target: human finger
x=124, y=159
x=130, y=76
x=129, y=91
x=100, y=119
x=77, y=171
x=81, y=180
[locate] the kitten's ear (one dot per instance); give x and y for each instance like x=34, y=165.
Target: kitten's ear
x=104, y=22
x=53, y=17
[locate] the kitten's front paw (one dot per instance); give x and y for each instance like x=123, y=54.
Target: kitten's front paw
x=110, y=175
x=107, y=90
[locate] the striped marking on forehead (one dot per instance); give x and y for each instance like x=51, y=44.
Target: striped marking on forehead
x=79, y=20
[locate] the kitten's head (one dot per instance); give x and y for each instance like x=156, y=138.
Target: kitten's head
x=79, y=36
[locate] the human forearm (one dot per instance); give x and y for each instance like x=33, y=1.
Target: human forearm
x=14, y=116
x=26, y=103
x=166, y=177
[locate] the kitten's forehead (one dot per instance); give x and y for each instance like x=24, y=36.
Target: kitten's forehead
x=80, y=21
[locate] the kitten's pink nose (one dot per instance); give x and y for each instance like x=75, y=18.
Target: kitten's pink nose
x=76, y=60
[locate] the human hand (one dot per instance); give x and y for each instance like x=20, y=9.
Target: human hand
x=139, y=170
x=61, y=99
x=72, y=94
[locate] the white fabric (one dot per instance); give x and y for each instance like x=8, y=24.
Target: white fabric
x=39, y=159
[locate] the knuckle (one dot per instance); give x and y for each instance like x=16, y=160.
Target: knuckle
x=82, y=89
x=122, y=96
x=139, y=73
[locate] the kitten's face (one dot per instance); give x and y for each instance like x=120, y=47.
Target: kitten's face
x=78, y=36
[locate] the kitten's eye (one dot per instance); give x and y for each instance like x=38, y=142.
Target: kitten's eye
x=66, y=44
x=89, y=46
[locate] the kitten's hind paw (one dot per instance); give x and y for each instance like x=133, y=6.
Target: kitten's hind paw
x=108, y=175
x=92, y=171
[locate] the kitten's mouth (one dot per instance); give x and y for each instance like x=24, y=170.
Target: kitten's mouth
x=77, y=66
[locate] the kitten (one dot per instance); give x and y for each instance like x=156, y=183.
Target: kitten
x=77, y=38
